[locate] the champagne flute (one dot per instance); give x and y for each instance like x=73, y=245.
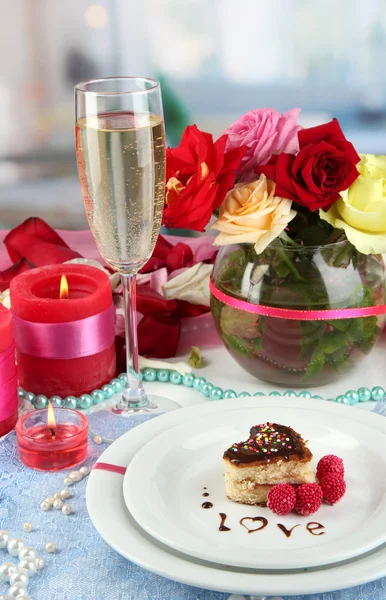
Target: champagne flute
x=121, y=149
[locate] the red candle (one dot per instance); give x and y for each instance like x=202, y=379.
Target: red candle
x=52, y=446
x=56, y=356
x=8, y=374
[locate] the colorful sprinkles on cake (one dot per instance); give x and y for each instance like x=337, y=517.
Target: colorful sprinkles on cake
x=267, y=439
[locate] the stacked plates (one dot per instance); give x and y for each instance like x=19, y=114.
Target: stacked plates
x=169, y=513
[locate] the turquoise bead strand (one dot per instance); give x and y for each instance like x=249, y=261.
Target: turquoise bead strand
x=200, y=384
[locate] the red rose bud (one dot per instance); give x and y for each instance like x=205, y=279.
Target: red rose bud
x=199, y=173
x=323, y=167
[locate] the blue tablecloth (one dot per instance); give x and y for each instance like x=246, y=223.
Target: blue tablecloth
x=84, y=566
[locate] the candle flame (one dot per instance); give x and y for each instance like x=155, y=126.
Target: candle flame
x=51, y=422
x=63, y=294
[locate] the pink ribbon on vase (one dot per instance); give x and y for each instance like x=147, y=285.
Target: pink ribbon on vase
x=296, y=314
x=74, y=339
x=8, y=383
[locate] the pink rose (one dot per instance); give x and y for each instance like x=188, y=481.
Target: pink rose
x=265, y=132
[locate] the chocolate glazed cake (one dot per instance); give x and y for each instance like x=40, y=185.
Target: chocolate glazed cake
x=272, y=454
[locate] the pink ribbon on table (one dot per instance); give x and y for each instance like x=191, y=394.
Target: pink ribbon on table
x=101, y=466
x=296, y=314
x=74, y=339
x=8, y=383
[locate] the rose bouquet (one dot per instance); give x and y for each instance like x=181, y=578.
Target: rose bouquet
x=298, y=287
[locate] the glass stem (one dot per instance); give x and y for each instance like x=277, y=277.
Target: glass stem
x=134, y=395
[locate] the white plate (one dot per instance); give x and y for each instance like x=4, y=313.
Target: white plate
x=111, y=518
x=165, y=481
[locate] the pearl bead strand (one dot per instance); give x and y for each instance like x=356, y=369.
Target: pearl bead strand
x=209, y=390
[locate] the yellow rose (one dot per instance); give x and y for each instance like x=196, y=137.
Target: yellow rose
x=361, y=210
x=251, y=213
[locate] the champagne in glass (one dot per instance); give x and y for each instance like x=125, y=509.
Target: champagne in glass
x=120, y=148
x=123, y=158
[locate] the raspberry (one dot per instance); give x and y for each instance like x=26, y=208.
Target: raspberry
x=333, y=487
x=308, y=498
x=281, y=499
x=329, y=464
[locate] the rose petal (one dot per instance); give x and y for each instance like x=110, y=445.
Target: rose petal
x=191, y=286
x=151, y=303
x=205, y=251
x=179, y=256
x=158, y=337
x=158, y=279
x=152, y=264
x=7, y=275
x=38, y=243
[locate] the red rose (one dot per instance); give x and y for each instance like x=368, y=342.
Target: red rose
x=198, y=173
x=323, y=167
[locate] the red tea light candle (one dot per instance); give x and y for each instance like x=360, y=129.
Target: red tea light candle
x=51, y=440
x=64, y=346
x=8, y=374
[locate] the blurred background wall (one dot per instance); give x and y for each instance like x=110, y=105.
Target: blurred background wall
x=216, y=59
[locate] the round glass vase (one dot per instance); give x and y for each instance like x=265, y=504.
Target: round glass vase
x=305, y=352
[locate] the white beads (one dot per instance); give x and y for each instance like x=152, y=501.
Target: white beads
x=19, y=577
x=27, y=526
x=75, y=476
x=29, y=566
x=17, y=590
x=56, y=501
x=66, y=509
x=58, y=504
x=4, y=538
x=45, y=505
x=14, y=546
x=29, y=563
x=4, y=571
x=97, y=440
x=27, y=553
x=50, y=547
x=65, y=494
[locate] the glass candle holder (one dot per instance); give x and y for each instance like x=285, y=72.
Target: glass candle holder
x=47, y=448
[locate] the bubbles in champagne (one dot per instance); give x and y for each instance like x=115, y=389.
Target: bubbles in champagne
x=121, y=162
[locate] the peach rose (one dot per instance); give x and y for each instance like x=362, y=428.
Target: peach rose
x=251, y=213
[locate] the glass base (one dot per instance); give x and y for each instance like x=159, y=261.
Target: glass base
x=106, y=424
x=154, y=405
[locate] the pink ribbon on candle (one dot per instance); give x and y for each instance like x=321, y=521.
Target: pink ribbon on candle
x=296, y=314
x=8, y=383
x=74, y=339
